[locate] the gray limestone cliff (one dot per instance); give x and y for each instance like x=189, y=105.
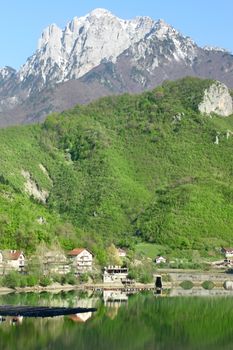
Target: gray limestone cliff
x=217, y=99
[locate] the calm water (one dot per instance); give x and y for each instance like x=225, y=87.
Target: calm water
x=141, y=322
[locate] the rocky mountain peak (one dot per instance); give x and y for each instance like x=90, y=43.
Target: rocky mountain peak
x=100, y=12
x=99, y=36
x=51, y=35
x=162, y=45
x=83, y=44
x=163, y=30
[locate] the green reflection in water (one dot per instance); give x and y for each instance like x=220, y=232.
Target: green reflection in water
x=145, y=322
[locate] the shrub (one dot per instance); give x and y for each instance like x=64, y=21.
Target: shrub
x=141, y=273
x=83, y=278
x=96, y=277
x=208, y=285
x=146, y=277
x=11, y=280
x=70, y=278
x=167, y=278
x=133, y=274
x=23, y=281
x=63, y=279
x=186, y=284
x=45, y=281
x=58, y=278
x=32, y=280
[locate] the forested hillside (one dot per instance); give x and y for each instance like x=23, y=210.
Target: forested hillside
x=122, y=169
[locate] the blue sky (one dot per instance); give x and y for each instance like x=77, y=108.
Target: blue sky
x=208, y=22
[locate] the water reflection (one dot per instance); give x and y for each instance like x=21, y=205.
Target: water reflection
x=114, y=297
x=80, y=318
x=200, y=292
x=123, y=322
x=16, y=320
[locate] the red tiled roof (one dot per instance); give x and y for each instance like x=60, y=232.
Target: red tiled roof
x=77, y=251
x=14, y=254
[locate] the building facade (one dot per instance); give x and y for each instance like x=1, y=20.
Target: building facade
x=228, y=252
x=115, y=274
x=13, y=260
x=82, y=260
x=56, y=262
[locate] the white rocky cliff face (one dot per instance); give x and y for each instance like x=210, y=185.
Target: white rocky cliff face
x=100, y=37
x=163, y=44
x=217, y=99
x=85, y=42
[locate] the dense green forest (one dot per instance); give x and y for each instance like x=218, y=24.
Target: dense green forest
x=122, y=169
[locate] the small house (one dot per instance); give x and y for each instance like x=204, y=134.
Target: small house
x=82, y=260
x=56, y=262
x=160, y=260
x=14, y=259
x=115, y=274
x=228, y=252
x=121, y=253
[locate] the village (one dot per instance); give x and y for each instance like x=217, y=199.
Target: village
x=79, y=260
x=77, y=265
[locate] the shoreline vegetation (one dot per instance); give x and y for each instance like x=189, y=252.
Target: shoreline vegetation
x=177, y=278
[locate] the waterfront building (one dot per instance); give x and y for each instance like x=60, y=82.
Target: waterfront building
x=13, y=260
x=115, y=274
x=56, y=262
x=228, y=252
x=82, y=260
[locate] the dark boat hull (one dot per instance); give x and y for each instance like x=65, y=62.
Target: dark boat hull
x=43, y=311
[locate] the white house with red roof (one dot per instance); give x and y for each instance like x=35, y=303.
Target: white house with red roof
x=14, y=259
x=228, y=252
x=82, y=259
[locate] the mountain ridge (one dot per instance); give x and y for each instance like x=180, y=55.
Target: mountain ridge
x=100, y=54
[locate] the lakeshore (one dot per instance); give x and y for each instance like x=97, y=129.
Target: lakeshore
x=171, y=279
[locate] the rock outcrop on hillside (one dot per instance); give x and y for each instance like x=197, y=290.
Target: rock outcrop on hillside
x=217, y=99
